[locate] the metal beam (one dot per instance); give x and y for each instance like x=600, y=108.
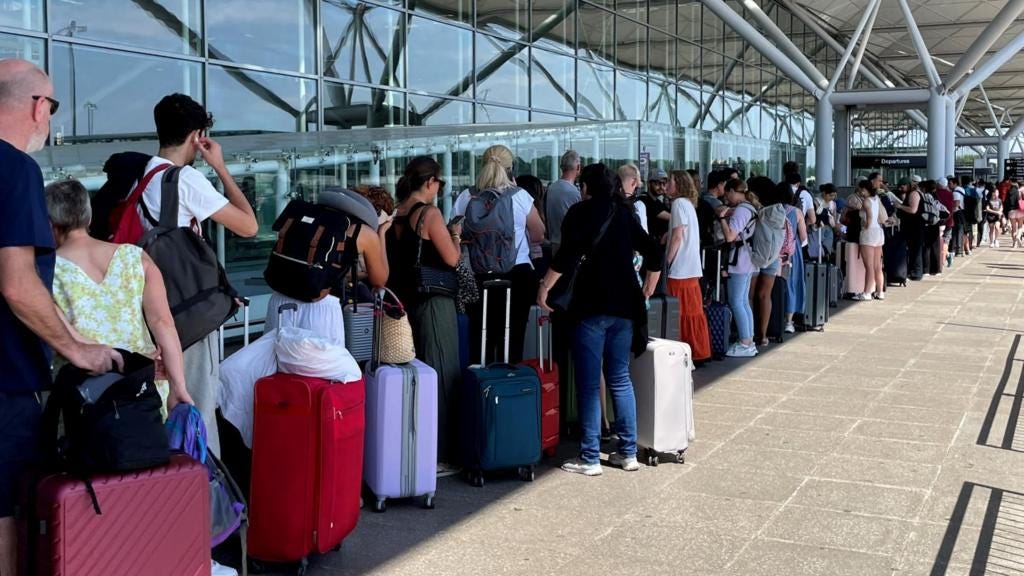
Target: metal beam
x=783, y=41
x=883, y=96
x=993, y=32
x=919, y=44
x=995, y=62
x=1015, y=130
x=991, y=110
x=852, y=80
x=977, y=140
x=849, y=47
x=766, y=48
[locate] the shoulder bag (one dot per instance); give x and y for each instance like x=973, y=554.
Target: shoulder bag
x=430, y=279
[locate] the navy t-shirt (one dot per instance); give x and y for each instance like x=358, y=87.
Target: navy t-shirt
x=24, y=358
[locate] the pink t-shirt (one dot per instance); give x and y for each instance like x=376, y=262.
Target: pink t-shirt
x=741, y=216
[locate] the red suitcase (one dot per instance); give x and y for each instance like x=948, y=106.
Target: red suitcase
x=549, y=395
x=307, y=466
x=154, y=522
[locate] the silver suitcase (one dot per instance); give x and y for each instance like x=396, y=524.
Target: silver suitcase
x=663, y=384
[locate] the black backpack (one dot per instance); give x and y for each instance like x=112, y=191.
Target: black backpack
x=198, y=291
x=313, y=252
x=111, y=423
x=123, y=170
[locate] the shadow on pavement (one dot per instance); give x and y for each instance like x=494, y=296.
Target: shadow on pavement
x=1000, y=545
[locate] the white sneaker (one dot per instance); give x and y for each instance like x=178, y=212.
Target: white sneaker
x=997, y=243
x=861, y=297
x=217, y=569
x=790, y=328
x=627, y=463
x=577, y=466
x=879, y=295
x=741, y=351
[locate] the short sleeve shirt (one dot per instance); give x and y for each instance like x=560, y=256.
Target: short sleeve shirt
x=522, y=203
x=197, y=198
x=687, y=261
x=24, y=358
x=561, y=195
x=738, y=222
x=806, y=201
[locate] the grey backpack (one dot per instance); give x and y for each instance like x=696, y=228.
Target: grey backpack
x=490, y=230
x=768, y=236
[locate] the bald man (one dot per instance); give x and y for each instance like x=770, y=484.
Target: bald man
x=29, y=323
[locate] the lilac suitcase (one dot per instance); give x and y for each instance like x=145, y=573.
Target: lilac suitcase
x=400, y=456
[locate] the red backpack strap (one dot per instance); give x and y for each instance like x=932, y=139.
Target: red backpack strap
x=136, y=194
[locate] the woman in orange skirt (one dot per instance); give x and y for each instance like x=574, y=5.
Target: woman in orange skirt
x=684, y=266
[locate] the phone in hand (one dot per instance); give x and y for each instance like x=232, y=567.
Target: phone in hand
x=457, y=220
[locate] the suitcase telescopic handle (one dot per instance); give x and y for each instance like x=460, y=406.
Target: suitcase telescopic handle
x=489, y=285
x=541, y=321
x=293, y=307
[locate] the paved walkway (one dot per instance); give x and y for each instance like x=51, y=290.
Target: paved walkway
x=892, y=443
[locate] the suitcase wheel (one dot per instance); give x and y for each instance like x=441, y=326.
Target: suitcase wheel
x=550, y=452
x=428, y=501
x=526, y=473
x=380, y=505
x=652, y=457
x=475, y=478
x=303, y=567
x=681, y=457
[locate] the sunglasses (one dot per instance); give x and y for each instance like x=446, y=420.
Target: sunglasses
x=440, y=183
x=54, y=104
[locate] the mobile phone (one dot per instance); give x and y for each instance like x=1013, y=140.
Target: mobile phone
x=456, y=220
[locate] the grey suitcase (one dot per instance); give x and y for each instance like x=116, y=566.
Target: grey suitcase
x=815, y=295
x=358, y=318
x=656, y=318
x=669, y=309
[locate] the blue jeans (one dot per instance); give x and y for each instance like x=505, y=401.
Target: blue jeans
x=739, y=301
x=597, y=341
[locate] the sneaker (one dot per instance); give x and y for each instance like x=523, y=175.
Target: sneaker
x=741, y=351
x=445, y=470
x=997, y=243
x=879, y=295
x=790, y=328
x=861, y=297
x=577, y=466
x=217, y=569
x=627, y=463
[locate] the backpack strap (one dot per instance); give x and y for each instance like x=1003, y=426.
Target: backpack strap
x=169, y=198
x=136, y=195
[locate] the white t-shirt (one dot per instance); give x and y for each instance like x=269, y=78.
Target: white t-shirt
x=641, y=212
x=687, y=261
x=522, y=203
x=958, y=198
x=806, y=201
x=197, y=198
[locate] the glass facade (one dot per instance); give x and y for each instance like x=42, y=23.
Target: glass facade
x=338, y=83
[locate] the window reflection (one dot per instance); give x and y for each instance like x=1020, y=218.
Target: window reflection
x=440, y=57
x=489, y=114
x=596, y=91
x=630, y=96
x=269, y=33
x=429, y=111
x=24, y=14
x=541, y=118
x=663, y=54
x=104, y=93
x=502, y=71
x=554, y=24
x=458, y=10
x=245, y=102
x=596, y=33
x=167, y=25
x=661, y=99
x=635, y=9
x=508, y=18
x=688, y=62
x=631, y=44
x=712, y=30
x=687, y=104
x=553, y=81
x=662, y=14
x=23, y=47
x=688, y=24
x=347, y=106
x=362, y=42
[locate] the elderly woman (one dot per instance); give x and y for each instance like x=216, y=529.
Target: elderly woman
x=112, y=294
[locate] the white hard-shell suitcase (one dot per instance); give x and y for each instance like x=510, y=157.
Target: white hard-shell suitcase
x=663, y=384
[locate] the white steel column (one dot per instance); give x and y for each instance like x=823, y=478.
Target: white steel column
x=841, y=170
x=852, y=80
x=1001, y=154
x=936, y=136
x=446, y=195
x=950, y=126
x=921, y=47
x=823, y=141
x=783, y=42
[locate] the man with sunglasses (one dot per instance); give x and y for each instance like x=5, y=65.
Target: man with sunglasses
x=30, y=325
x=181, y=125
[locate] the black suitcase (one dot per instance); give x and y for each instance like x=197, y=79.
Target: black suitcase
x=719, y=317
x=894, y=258
x=777, y=319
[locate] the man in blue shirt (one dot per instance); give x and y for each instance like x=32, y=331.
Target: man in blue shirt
x=29, y=322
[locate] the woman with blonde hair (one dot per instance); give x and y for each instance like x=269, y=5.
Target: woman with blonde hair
x=501, y=254
x=684, y=267
x=737, y=219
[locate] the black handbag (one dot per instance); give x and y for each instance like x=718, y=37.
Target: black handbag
x=561, y=294
x=430, y=279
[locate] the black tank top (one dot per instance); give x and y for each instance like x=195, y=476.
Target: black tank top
x=403, y=244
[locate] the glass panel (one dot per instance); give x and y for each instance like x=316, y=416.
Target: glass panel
x=687, y=105
x=661, y=97
x=270, y=33
x=662, y=14
x=360, y=107
x=688, y=62
x=595, y=90
x=635, y=9
x=554, y=24
x=26, y=14
x=457, y=10
x=508, y=18
x=712, y=67
x=104, y=93
x=553, y=81
x=488, y=114
x=609, y=4
x=713, y=112
x=712, y=31
x=361, y=41
x=502, y=73
x=597, y=33
x=428, y=111
x=541, y=118
x=733, y=118
x=244, y=101
x=688, y=23
x=440, y=57
x=630, y=95
x=171, y=25
x=31, y=49
x=631, y=49
x=663, y=54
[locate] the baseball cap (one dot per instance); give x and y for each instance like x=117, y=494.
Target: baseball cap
x=942, y=182
x=915, y=179
x=904, y=182
x=658, y=174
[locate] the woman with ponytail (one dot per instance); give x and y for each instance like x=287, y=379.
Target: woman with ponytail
x=419, y=228
x=738, y=220
x=496, y=176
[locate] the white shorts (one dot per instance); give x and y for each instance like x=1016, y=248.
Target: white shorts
x=872, y=237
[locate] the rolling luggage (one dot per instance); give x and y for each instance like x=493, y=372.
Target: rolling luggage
x=719, y=318
x=307, y=460
x=777, y=319
x=656, y=317
x=669, y=312
x=502, y=409
x=153, y=522
x=853, y=279
x=358, y=318
x=531, y=340
x=663, y=385
x=815, y=312
x=550, y=399
x=835, y=282
x=400, y=459
x=464, y=354
x=894, y=258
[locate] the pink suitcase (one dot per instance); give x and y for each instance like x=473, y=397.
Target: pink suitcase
x=154, y=522
x=853, y=281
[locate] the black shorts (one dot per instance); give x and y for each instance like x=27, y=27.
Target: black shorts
x=19, y=443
